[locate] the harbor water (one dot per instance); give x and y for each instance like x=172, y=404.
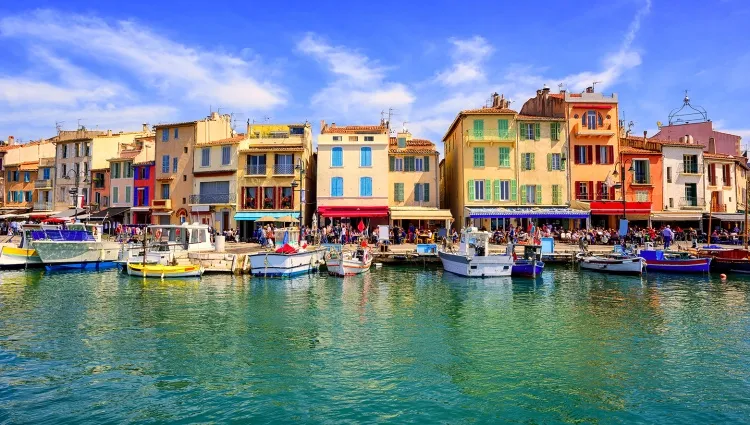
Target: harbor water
x=397, y=345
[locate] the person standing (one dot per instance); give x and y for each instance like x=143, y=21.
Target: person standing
x=668, y=235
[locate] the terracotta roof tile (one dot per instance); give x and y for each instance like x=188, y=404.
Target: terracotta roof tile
x=152, y=162
x=350, y=129
x=557, y=95
x=676, y=143
x=536, y=118
x=421, y=146
x=272, y=149
x=176, y=124
x=489, y=110
x=719, y=156
x=228, y=141
x=628, y=149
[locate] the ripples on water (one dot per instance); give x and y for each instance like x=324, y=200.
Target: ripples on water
x=396, y=345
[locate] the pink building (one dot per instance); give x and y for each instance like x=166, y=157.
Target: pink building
x=702, y=132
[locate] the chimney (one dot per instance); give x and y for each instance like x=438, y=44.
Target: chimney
x=545, y=89
x=645, y=132
x=214, y=116
x=11, y=140
x=711, y=145
x=322, y=125
x=496, y=100
x=109, y=132
x=589, y=89
x=248, y=132
x=145, y=128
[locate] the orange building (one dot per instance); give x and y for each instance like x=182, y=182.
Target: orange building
x=644, y=189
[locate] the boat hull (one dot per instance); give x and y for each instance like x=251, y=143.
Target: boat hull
x=527, y=268
x=272, y=264
x=730, y=265
x=490, y=266
x=698, y=265
x=12, y=257
x=159, y=271
x=77, y=255
x=341, y=268
x=624, y=266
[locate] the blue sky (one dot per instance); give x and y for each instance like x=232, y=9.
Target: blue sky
x=115, y=65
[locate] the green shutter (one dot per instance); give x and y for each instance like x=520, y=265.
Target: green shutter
x=505, y=157
x=427, y=163
x=532, y=167
x=479, y=129
x=502, y=129
x=555, y=189
x=539, y=194
x=426, y=192
x=471, y=190
x=562, y=163
x=479, y=157
x=487, y=189
x=523, y=194
x=513, y=190
x=391, y=163
x=549, y=162
x=537, y=131
x=496, y=189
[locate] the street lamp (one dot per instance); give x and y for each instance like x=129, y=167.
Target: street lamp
x=622, y=182
x=74, y=191
x=299, y=167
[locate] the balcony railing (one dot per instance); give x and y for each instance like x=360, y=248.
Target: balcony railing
x=690, y=168
x=256, y=170
x=283, y=169
x=604, y=196
x=605, y=130
x=161, y=204
x=43, y=184
x=692, y=202
x=492, y=134
x=583, y=197
x=44, y=206
x=718, y=208
x=214, y=198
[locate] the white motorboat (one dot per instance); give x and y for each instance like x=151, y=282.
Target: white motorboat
x=80, y=246
x=24, y=255
x=473, y=258
x=614, y=262
x=288, y=259
x=168, y=244
x=340, y=263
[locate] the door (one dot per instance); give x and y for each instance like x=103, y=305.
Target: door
x=224, y=221
x=715, y=205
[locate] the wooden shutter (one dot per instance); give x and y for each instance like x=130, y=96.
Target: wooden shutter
x=712, y=174
x=612, y=192
x=496, y=190
x=611, y=154
x=426, y=192
x=598, y=194
x=523, y=194
x=590, y=154
x=391, y=163
x=417, y=192
x=591, y=190
x=539, y=194
x=471, y=189
x=426, y=166
x=549, y=162
x=576, y=155
x=562, y=163
x=531, y=161
x=513, y=191
x=598, y=154
x=537, y=131
x=487, y=190
x=577, y=188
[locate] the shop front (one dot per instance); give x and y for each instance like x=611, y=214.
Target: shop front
x=249, y=221
x=605, y=214
x=504, y=218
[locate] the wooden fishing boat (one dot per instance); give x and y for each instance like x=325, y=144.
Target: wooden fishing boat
x=473, y=258
x=531, y=264
x=736, y=260
x=288, y=259
x=658, y=260
x=343, y=264
x=614, y=262
x=160, y=271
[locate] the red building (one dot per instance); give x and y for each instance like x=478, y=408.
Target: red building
x=143, y=188
x=100, y=189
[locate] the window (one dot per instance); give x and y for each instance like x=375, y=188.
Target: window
x=504, y=157
x=641, y=171
x=641, y=196
x=365, y=157
x=727, y=174
x=583, y=155
x=554, y=131
x=531, y=194
x=589, y=119
x=164, y=191
x=86, y=149
x=65, y=150
x=26, y=176
x=582, y=190
x=476, y=190
x=128, y=170
x=554, y=162
x=284, y=164
x=669, y=174
x=337, y=138
x=409, y=163
x=690, y=164
x=398, y=164
x=115, y=194
x=402, y=142
x=174, y=164
x=353, y=138
x=502, y=129
x=185, y=149
x=671, y=202
x=165, y=164
x=478, y=155
x=527, y=161
x=602, y=154
x=226, y=155
x=164, y=137
x=478, y=129
x=45, y=174
x=337, y=157
x=712, y=174
x=503, y=190
x=603, y=191
x=256, y=165
x=29, y=196
x=530, y=131
x=365, y=186
x=337, y=186
x=77, y=150
x=115, y=170
x=369, y=138
x=398, y=192
x=205, y=157
x=417, y=192
x=128, y=189
x=556, y=195
x=64, y=171
x=419, y=164
x=176, y=132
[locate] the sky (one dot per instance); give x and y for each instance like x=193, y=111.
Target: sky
x=116, y=65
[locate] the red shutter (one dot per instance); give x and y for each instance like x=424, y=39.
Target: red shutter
x=611, y=154
x=591, y=190
x=612, y=193
x=729, y=175
x=578, y=190
x=598, y=193
x=598, y=156
x=590, y=154
x=712, y=174
x=576, y=155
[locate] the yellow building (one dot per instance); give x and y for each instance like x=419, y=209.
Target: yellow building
x=28, y=173
x=273, y=159
x=352, y=181
x=413, y=183
x=175, y=145
x=214, y=197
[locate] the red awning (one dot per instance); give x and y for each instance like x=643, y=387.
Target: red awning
x=353, y=211
x=592, y=106
x=616, y=208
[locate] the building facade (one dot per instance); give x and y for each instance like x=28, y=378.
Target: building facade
x=683, y=183
x=352, y=177
x=214, y=197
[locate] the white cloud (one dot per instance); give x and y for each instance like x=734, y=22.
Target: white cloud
x=359, y=89
x=203, y=76
x=469, y=56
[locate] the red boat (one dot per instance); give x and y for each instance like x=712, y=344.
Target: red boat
x=735, y=260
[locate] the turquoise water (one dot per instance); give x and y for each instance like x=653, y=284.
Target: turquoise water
x=396, y=345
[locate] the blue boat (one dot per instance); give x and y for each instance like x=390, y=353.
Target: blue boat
x=531, y=264
x=658, y=260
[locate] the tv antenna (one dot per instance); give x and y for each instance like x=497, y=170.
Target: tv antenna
x=58, y=126
x=593, y=85
x=403, y=126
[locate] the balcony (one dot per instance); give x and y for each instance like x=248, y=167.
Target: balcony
x=213, y=198
x=691, y=203
x=491, y=134
x=718, y=208
x=256, y=170
x=690, y=168
x=161, y=204
x=44, y=206
x=584, y=197
x=283, y=169
x=599, y=131
x=43, y=184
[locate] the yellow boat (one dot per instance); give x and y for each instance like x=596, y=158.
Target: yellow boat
x=159, y=271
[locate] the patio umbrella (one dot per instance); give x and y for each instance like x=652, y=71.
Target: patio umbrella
x=287, y=219
x=267, y=218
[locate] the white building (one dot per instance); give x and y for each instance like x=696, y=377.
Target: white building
x=683, y=181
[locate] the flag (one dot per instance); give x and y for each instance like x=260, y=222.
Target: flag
x=286, y=238
x=361, y=226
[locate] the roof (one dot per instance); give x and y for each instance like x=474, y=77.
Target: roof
x=273, y=148
x=152, y=162
x=228, y=141
x=124, y=155
x=422, y=146
x=557, y=95
x=351, y=129
x=176, y=124
x=537, y=118
x=628, y=149
x=478, y=111
x=720, y=156
x=676, y=143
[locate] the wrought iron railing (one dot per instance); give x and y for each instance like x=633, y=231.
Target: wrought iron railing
x=492, y=134
x=283, y=169
x=43, y=184
x=256, y=170
x=690, y=168
x=214, y=198
x=691, y=202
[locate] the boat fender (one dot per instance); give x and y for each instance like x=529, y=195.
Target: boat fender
x=158, y=234
x=723, y=277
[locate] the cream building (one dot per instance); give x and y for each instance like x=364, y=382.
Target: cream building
x=352, y=177
x=214, y=197
x=174, y=146
x=683, y=182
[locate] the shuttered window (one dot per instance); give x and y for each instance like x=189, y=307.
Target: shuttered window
x=337, y=157
x=398, y=192
x=479, y=157
x=337, y=186
x=504, y=157
x=365, y=186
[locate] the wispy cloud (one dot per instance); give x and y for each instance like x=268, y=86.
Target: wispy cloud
x=468, y=56
x=359, y=89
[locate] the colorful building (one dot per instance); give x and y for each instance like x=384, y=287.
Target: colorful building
x=272, y=159
x=643, y=168
x=214, y=197
x=683, y=183
x=143, y=182
x=174, y=147
x=413, y=184
x=21, y=171
x=100, y=186
x=352, y=182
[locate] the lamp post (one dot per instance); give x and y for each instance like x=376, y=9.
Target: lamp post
x=622, y=181
x=300, y=168
x=74, y=191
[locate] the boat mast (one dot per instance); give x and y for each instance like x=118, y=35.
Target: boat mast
x=746, y=196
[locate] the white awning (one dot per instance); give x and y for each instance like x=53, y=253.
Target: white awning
x=675, y=216
x=420, y=213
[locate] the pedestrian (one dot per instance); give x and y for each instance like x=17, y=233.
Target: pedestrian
x=668, y=236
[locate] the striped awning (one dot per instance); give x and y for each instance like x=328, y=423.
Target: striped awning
x=527, y=213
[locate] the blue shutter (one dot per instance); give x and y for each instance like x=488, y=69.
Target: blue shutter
x=337, y=157
x=165, y=163
x=146, y=171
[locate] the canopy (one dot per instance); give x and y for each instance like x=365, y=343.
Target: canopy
x=420, y=213
x=617, y=207
x=728, y=216
x=364, y=211
x=70, y=212
x=527, y=213
x=288, y=219
x=109, y=212
x=264, y=216
x=675, y=216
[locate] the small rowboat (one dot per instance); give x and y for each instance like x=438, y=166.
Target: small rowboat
x=347, y=263
x=612, y=263
x=674, y=262
x=159, y=271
